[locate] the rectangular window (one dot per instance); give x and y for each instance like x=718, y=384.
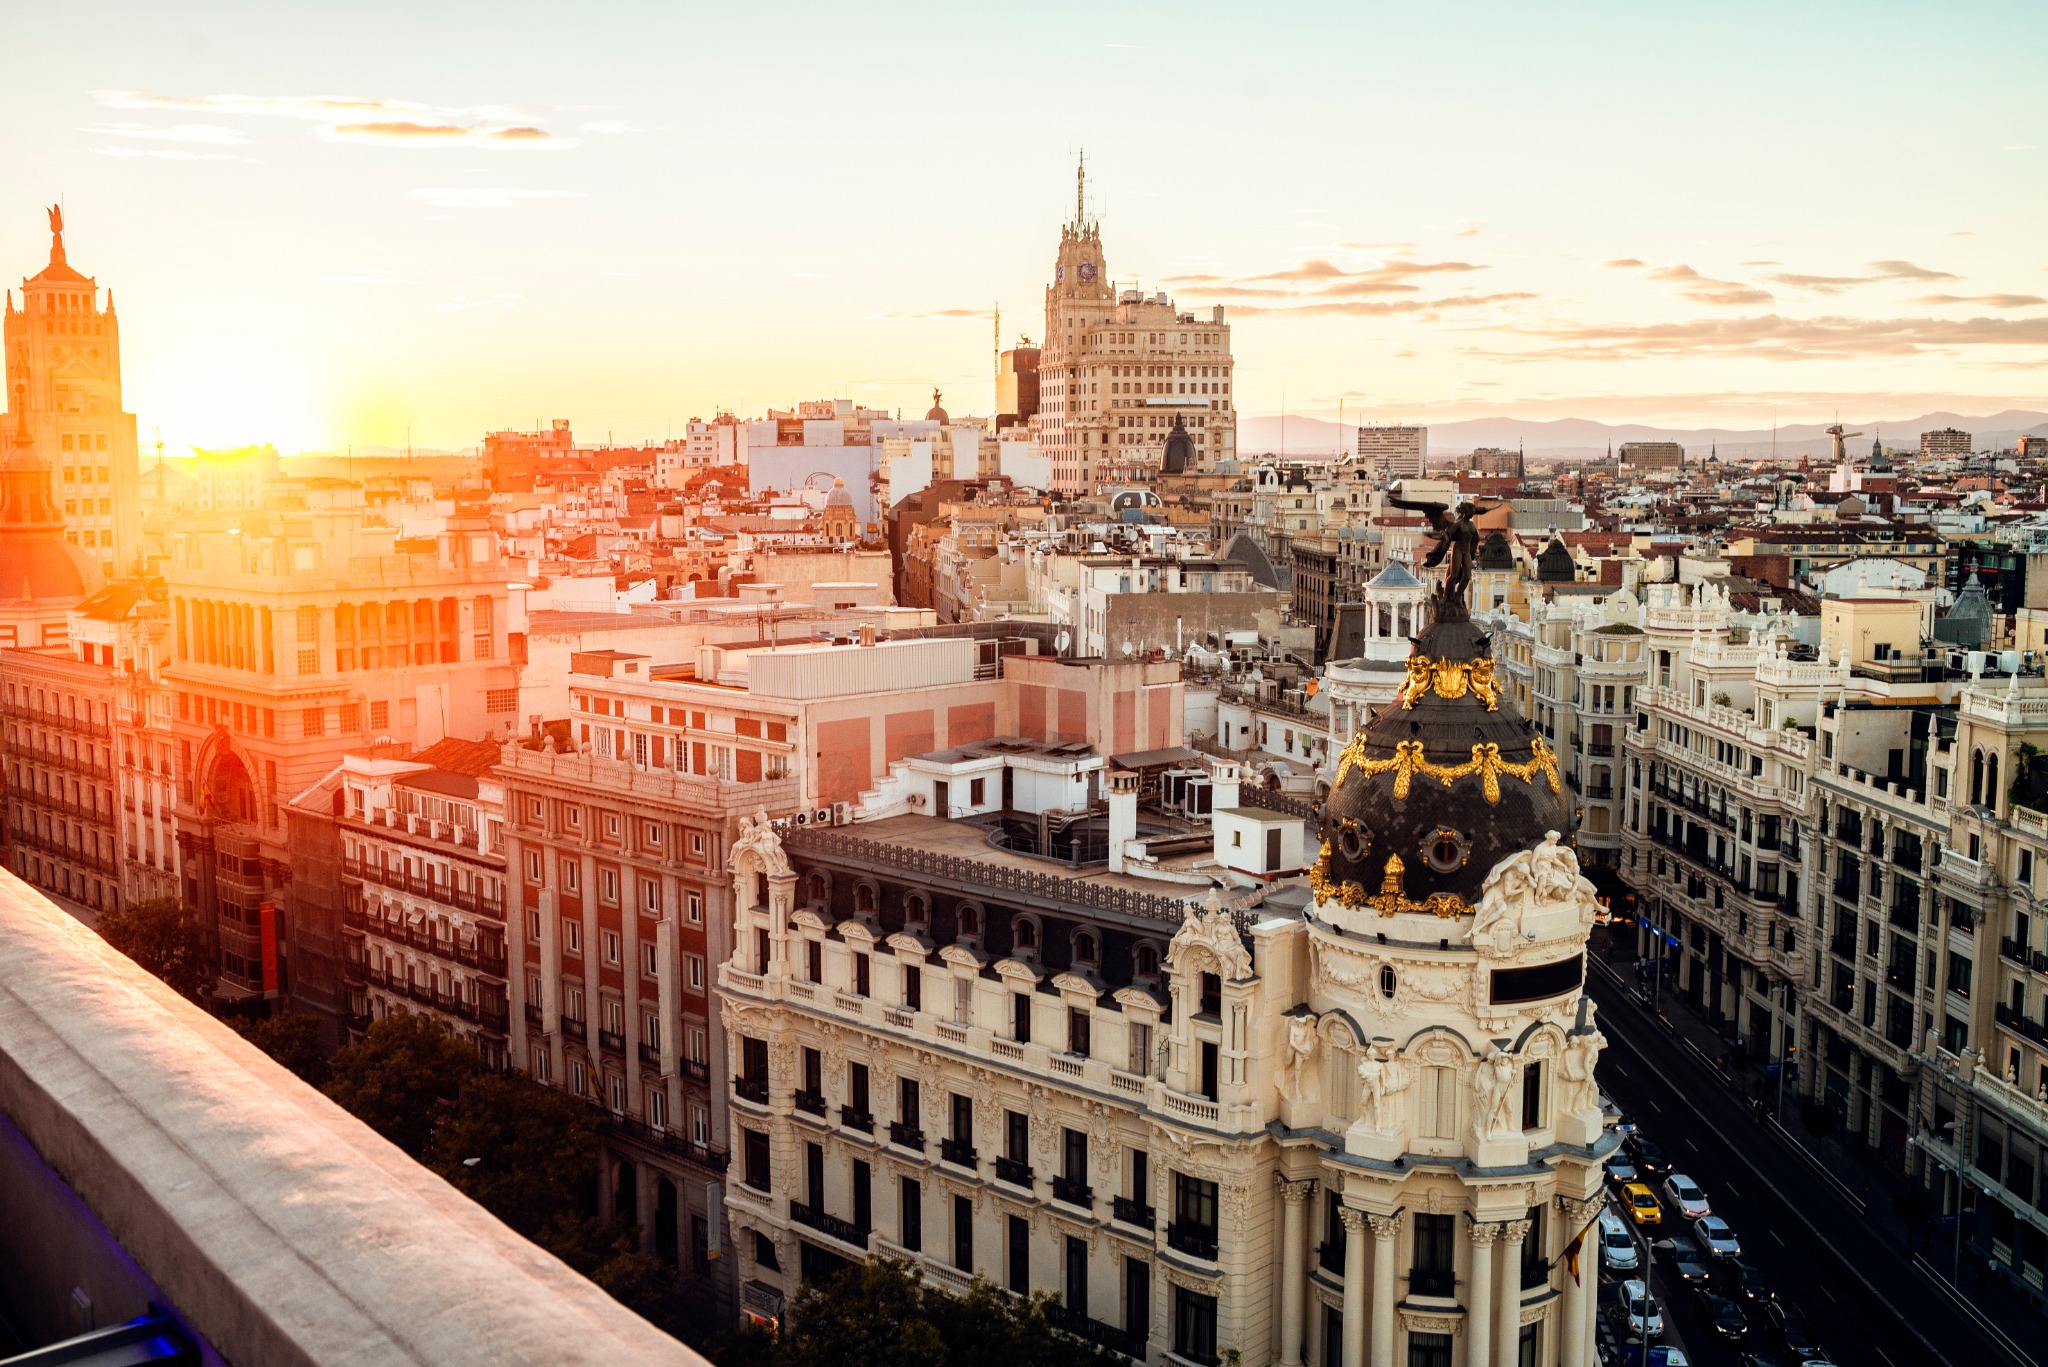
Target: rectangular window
x=861, y=970
x=1194, y=1205
x=693, y=905
x=313, y=722
x=693, y=972
x=1019, y=1260
x=1138, y=1298
x=1429, y=1350
x=910, y=1218
x=608, y=886
x=755, y=1145
x=1194, y=1326
x=963, y=1233
x=380, y=715
x=963, y=1118
x=650, y=897
x=610, y=941
x=1430, y=1274
x=1076, y=1287
x=1532, y=1096
x=814, y=960
x=1141, y=1049
x=572, y=935
x=1017, y=1136
x=1074, y=1152
x=913, y=987
x=1020, y=1017
x=863, y=1196
x=1077, y=1032
x=650, y=959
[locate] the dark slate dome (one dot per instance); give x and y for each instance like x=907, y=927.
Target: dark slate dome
x=1555, y=565
x=1409, y=825
x=1494, y=553
x=1180, y=449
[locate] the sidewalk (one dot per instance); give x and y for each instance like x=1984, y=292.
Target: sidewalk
x=1885, y=1199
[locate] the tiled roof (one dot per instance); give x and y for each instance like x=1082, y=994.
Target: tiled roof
x=473, y=757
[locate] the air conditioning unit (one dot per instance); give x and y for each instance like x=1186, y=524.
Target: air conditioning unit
x=802, y=818
x=917, y=799
x=842, y=813
x=822, y=817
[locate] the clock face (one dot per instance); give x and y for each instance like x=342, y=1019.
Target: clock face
x=1059, y=272
x=1087, y=272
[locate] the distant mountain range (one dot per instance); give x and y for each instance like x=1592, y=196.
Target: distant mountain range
x=1580, y=438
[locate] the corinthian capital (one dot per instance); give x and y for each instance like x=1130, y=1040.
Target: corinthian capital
x=1385, y=1226
x=1293, y=1190
x=1484, y=1235
x=1353, y=1218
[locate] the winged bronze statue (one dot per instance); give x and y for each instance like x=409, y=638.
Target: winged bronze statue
x=1458, y=538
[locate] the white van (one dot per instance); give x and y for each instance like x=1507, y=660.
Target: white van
x=1617, y=1245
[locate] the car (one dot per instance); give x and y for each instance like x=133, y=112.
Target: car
x=1688, y=1261
x=1617, y=1246
x=1685, y=1196
x=1743, y=1282
x=1791, y=1330
x=1725, y=1316
x=1620, y=1172
x=1715, y=1236
x=1641, y=1204
x=1651, y=1160
x=1636, y=1308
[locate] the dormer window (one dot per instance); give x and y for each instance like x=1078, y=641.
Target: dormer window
x=970, y=922
x=1084, y=949
x=1145, y=962
x=916, y=909
x=1026, y=934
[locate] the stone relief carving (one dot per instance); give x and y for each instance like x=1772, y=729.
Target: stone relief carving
x=1539, y=879
x=1381, y=1079
x=1579, y=1091
x=758, y=838
x=1496, y=1089
x=1209, y=927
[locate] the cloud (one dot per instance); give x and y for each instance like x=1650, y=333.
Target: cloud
x=1470, y=230
x=1996, y=301
x=1622, y=263
x=899, y=316
x=167, y=154
x=1770, y=337
x=609, y=127
x=1702, y=289
x=1423, y=310
x=1880, y=271
x=205, y=134
x=346, y=118
x=484, y=197
x=1319, y=277
x=462, y=302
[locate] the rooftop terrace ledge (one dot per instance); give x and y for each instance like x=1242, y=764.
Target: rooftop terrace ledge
x=277, y=1226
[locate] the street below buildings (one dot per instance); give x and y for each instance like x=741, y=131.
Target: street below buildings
x=1863, y=1301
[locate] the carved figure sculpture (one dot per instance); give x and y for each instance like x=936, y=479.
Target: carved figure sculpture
x=1495, y=1090
x=1381, y=1078
x=1301, y=1047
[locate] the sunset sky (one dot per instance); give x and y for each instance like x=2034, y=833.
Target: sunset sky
x=339, y=223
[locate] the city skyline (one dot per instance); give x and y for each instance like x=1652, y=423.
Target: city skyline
x=318, y=243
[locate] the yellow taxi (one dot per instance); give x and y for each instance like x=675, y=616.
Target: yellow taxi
x=1642, y=1204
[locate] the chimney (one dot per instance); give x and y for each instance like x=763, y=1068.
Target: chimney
x=867, y=633
x=1123, y=815
x=1223, y=783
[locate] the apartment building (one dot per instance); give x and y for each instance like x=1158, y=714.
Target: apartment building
x=124, y=628
x=1393, y=451
x=296, y=636
x=63, y=793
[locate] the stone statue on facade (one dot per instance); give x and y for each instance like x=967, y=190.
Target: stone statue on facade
x=1494, y=1093
x=1581, y=1055
x=1301, y=1049
x=1547, y=876
x=1381, y=1077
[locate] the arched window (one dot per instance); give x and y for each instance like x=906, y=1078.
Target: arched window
x=1991, y=780
x=1976, y=778
x=1026, y=933
x=1146, y=961
x=917, y=909
x=970, y=921
x=863, y=899
x=1084, y=948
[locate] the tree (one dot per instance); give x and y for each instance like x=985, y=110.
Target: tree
x=161, y=936
x=293, y=1041
x=536, y=1150
x=400, y=1076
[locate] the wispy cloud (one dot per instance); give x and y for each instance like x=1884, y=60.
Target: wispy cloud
x=1622, y=263
x=1421, y=310
x=896, y=315
x=1996, y=301
x=345, y=118
x=204, y=134
x=462, y=302
x=1702, y=289
x=484, y=197
x=1768, y=337
x=1878, y=273
x=166, y=153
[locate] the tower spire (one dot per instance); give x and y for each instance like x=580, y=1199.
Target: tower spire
x=1081, y=189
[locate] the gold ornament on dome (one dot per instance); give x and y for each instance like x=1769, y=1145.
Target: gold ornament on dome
x=1408, y=760
x=1390, y=899
x=1451, y=679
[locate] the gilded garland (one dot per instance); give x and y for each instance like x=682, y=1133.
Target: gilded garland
x=1408, y=760
x=1390, y=899
x=1451, y=679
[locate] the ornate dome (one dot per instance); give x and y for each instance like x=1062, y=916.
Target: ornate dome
x=1438, y=788
x=1494, y=553
x=936, y=413
x=37, y=565
x=838, y=498
x=1555, y=565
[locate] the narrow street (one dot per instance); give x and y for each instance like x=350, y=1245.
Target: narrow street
x=1863, y=1302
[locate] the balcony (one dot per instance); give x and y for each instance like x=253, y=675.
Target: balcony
x=1131, y=1211
x=1014, y=1171
x=754, y=1089
x=909, y=1136
x=811, y=1103
x=533, y=1015
x=2019, y=1022
x=1073, y=1191
x=650, y=1056
x=573, y=1028
x=846, y=1231
x=959, y=1151
x=696, y=1069
x=611, y=1040
x=854, y=1118
x=493, y=1019
x=1197, y=1241
x=1080, y=1326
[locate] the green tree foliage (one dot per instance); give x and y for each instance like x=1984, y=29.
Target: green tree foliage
x=535, y=1148
x=401, y=1075
x=293, y=1041
x=879, y=1314
x=162, y=937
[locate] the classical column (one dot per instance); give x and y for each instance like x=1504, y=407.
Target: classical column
x=1384, y=1229
x=1479, y=1297
x=1293, y=1275
x=1574, y=1348
x=1354, y=1285
x=1507, y=1319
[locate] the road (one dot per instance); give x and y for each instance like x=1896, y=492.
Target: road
x=1812, y=1249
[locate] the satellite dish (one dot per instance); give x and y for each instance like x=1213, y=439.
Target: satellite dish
x=1129, y=650
x=1063, y=640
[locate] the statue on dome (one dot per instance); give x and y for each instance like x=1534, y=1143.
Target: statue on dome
x=57, y=221
x=1457, y=537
